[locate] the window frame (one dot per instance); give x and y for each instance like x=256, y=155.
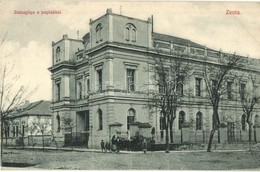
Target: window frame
x=243, y=122
x=57, y=54
x=242, y=91
x=199, y=121
x=130, y=117
x=58, y=90
x=198, y=86
x=162, y=121
x=99, y=28
x=229, y=90
x=100, y=119
x=130, y=75
x=181, y=119
x=130, y=32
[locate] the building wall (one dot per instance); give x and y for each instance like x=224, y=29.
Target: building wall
x=22, y=128
x=114, y=100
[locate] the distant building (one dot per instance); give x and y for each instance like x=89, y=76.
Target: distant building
x=98, y=82
x=25, y=121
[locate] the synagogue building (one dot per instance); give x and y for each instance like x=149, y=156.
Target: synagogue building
x=100, y=81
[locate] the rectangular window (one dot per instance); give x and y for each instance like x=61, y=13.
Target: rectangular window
x=23, y=130
x=229, y=90
x=214, y=85
x=242, y=91
x=17, y=131
x=99, y=78
x=180, y=85
x=79, y=89
x=8, y=131
x=130, y=80
x=88, y=86
x=58, y=91
x=198, y=86
x=160, y=83
x=13, y=131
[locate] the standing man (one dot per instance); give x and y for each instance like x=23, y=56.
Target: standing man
x=102, y=145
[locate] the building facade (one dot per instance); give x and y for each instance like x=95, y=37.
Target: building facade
x=101, y=83
x=23, y=125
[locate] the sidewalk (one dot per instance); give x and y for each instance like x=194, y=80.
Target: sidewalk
x=120, y=152
x=67, y=149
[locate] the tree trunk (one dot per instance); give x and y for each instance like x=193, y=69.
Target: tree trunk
x=23, y=141
x=218, y=136
x=2, y=138
x=167, y=139
x=6, y=140
x=71, y=141
x=32, y=142
x=210, y=140
x=250, y=133
x=42, y=141
x=171, y=131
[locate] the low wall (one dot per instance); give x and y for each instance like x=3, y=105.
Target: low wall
x=27, y=141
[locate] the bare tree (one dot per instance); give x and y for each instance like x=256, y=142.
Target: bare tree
x=31, y=129
x=68, y=125
x=216, y=78
x=42, y=125
x=170, y=75
x=11, y=94
x=249, y=98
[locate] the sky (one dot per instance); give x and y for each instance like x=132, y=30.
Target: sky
x=29, y=37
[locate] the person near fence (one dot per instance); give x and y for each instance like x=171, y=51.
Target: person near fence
x=118, y=144
x=102, y=144
x=113, y=141
x=107, y=147
x=144, y=144
x=152, y=143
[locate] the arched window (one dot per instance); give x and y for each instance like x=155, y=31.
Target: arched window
x=127, y=34
x=58, y=122
x=257, y=122
x=199, y=121
x=80, y=91
x=57, y=54
x=162, y=122
x=243, y=122
x=130, y=32
x=180, y=89
x=181, y=119
x=133, y=35
x=99, y=32
x=130, y=117
x=88, y=86
x=100, y=119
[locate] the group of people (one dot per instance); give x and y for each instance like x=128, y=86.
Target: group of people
x=105, y=147
x=118, y=144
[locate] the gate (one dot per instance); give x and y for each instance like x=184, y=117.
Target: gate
x=231, y=132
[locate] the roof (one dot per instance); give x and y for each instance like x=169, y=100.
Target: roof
x=176, y=40
x=141, y=125
x=39, y=108
x=116, y=124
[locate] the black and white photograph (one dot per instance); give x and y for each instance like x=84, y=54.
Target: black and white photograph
x=120, y=85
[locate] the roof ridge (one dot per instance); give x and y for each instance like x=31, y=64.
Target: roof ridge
x=30, y=106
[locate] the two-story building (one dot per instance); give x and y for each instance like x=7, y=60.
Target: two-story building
x=101, y=81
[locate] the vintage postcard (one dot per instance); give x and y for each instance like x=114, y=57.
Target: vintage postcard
x=125, y=85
